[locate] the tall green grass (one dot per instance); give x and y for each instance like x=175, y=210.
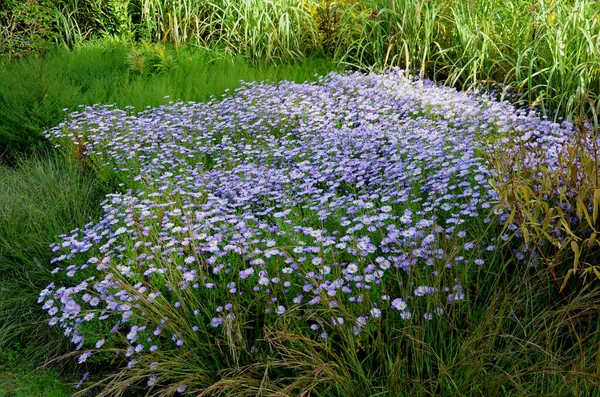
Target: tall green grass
x=545, y=52
x=265, y=29
x=377, y=34
x=39, y=199
x=35, y=90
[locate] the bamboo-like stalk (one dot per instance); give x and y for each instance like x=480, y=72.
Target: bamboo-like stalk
x=547, y=52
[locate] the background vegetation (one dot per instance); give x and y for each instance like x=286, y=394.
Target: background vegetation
x=524, y=335
x=545, y=51
x=40, y=198
x=36, y=92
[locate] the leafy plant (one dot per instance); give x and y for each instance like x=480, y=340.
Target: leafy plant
x=552, y=196
x=264, y=30
x=27, y=27
x=386, y=34
x=151, y=58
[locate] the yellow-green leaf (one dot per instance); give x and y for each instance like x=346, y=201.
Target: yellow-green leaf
x=579, y=204
x=566, y=227
x=564, y=283
x=577, y=252
x=596, y=272
x=548, y=218
x=590, y=241
x=525, y=232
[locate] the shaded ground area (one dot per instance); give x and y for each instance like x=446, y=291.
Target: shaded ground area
x=20, y=378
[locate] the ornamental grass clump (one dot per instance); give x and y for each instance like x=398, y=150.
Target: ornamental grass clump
x=339, y=215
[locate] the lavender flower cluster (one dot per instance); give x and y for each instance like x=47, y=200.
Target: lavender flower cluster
x=342, y=203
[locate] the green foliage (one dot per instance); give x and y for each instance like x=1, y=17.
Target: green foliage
x=179, y=21
x=27, y=27
x=546, y=52
x=87, y=19
x=556, y=205
x=151, y=58
x=514, y=342
x=264, y=30
x=19, y=377
x=259, y=30
x=380, y=34
x=515, y=339
x=35, y=90
x=39, y=199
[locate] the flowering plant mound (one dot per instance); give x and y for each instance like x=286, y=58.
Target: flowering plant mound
x=340, y=205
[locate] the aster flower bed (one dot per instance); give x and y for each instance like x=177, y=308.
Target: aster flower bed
x=355, y=204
